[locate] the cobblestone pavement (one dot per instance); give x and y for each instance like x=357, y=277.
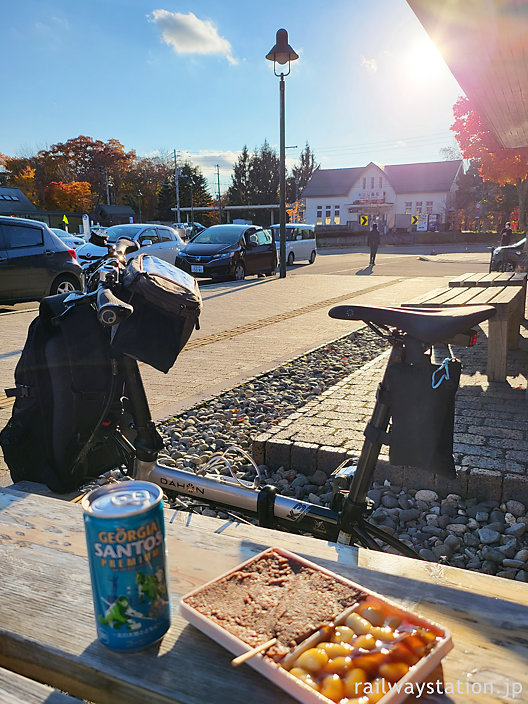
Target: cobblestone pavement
x=490, y=441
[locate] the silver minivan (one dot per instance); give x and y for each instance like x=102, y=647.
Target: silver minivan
x=300, y=242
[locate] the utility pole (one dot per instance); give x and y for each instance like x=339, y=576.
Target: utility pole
x=107, y=186
x=177, y=185
x=192, y=204
x=219, y=201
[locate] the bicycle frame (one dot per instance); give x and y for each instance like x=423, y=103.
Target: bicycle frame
x=270, y=508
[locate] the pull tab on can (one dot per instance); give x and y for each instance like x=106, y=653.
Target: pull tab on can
x=131, y=498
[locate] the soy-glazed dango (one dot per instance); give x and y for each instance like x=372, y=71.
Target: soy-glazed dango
x=357, y=661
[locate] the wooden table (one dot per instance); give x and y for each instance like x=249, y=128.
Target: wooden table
x=503, y=330
x=47, y=629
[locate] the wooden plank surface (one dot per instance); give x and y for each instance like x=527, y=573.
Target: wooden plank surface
x=461, y=296
x=460, y=280
x=47, y=631
x=495, y=278
x=15, y=689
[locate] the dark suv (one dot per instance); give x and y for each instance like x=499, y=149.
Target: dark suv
x=34, y=262
x=229, y=251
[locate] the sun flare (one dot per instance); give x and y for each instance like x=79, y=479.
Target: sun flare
x=424, y=60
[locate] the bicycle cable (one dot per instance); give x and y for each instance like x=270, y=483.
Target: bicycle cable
x=219, y=460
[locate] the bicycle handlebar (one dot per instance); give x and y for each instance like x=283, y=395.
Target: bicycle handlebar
x=123, y=244
x=111, y=309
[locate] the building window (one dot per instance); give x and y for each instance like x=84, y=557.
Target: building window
x=372, y=182
x=337, y=218
x=364, y=182
x=319, y=218
x=408, y=207
x=380, y=182
x=428, y=206
x=418, y=203
x=418, y=210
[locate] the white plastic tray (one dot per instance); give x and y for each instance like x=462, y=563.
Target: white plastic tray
x=281, y=677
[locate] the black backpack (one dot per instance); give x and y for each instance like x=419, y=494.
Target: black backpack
x=67, y=400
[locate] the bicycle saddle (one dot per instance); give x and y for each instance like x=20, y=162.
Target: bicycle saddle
x=429, y=325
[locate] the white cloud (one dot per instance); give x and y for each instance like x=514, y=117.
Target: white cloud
x=187, y=34
x=369, y=64
x=208, y=159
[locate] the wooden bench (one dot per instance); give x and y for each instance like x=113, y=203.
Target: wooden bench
x=15, y=689
x=503, y=334
x=496, y=278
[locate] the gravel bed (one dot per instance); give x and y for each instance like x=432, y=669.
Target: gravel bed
x=485, y=536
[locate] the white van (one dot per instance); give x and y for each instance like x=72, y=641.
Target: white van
x=300, y=242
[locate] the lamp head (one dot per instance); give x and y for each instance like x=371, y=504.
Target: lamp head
x=282, y=53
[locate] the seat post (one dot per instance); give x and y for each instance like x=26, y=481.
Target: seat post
x=355, y=502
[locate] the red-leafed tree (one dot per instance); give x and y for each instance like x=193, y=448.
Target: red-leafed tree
x=497, y=164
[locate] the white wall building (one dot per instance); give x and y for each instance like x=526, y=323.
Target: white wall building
x=388, y=195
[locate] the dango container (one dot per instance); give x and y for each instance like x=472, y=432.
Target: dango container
x=125, y=535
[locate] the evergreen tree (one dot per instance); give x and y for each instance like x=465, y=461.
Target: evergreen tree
x=239, y=193
x=264, y=175
x=302, y=173
x=190, y=180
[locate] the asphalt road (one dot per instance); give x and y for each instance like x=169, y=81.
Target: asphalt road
x=417, y=260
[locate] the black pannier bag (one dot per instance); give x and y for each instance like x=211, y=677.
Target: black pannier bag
x=422, y=402
x=65, y=397
x=167, y=305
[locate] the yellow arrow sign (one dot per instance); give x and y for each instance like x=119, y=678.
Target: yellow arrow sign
x=414, y=219
x=363, y=219
x=65, y=220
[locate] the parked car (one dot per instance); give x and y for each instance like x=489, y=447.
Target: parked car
x=70, y=240
x=189, y=229
x=300, y=242
x=230, y=251
x=157, y=240
x=506, y=258
x=34, y=262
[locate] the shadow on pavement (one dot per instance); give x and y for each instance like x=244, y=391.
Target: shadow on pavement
x=238, y=285
x=364, y=272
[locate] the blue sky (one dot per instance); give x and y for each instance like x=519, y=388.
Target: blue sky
x=161, y=74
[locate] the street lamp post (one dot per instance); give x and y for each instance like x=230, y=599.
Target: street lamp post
x=282, y=54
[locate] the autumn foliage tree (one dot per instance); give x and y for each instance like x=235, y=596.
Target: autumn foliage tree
x=497, y=164
x=75, y=196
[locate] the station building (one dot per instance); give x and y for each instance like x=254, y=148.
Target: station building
x=395, y=196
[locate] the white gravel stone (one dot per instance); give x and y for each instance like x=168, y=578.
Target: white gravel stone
x=426, y=495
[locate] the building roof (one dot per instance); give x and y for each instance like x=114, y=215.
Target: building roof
x=484, y=44
x=115, y=210
x=331, y=182
x=12, y=201
x=437, y=176
x=423, y=178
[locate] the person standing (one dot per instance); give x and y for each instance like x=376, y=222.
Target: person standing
x=373, y=243
x=506, y=235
